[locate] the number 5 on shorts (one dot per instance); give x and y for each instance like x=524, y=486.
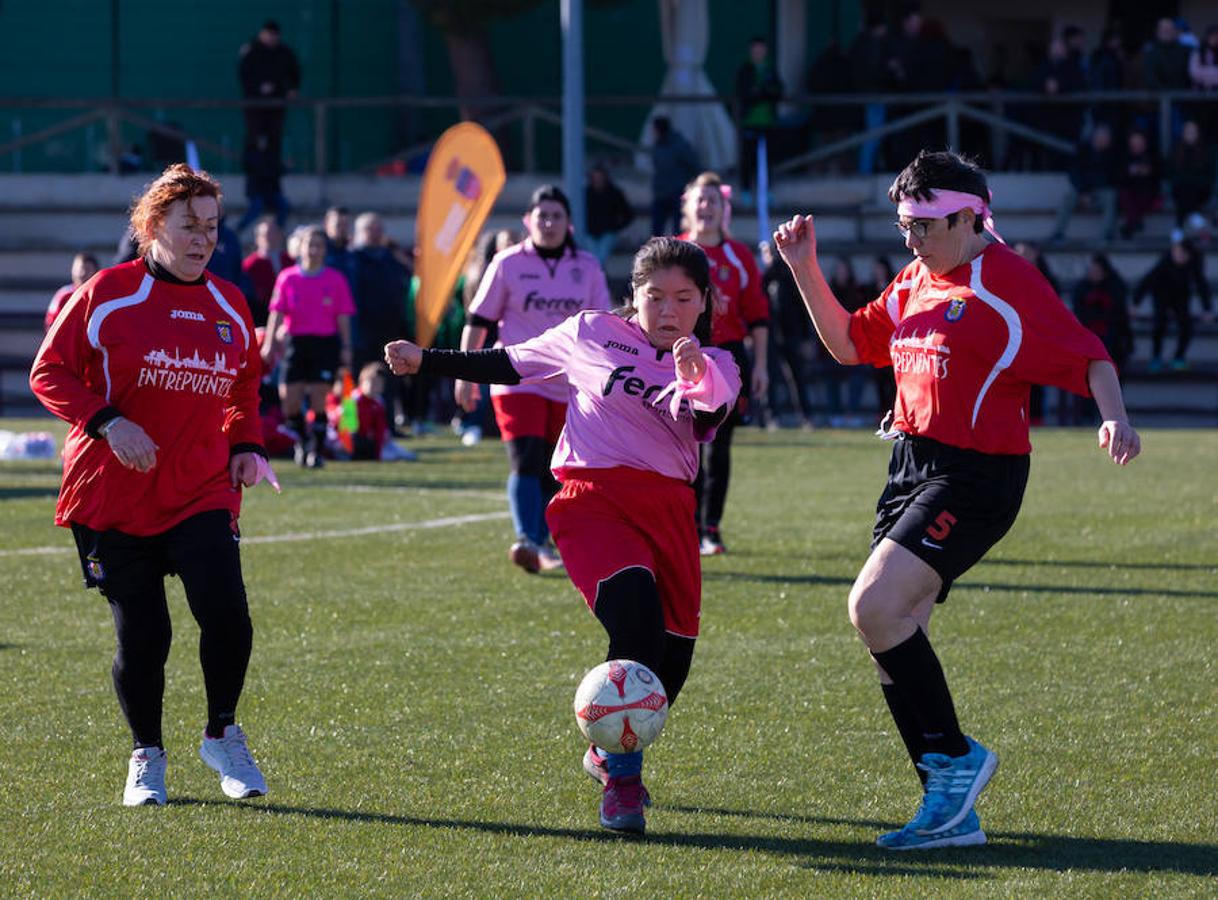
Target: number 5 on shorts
x=942, y=526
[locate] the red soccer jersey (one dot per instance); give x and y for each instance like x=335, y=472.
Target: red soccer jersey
x=179, y=360
x=967, y=346
x=734, y=272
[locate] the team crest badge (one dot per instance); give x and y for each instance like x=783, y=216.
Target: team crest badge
x=725, y=274
x=224, y=330
x=955, y=309
x=94, y=567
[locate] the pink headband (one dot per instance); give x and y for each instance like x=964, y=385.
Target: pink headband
x=944, y=203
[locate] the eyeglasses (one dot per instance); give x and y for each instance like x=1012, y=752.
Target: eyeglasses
x=918, y=228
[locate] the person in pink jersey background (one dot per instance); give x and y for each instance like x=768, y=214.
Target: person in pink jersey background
x=643, y=395
x=313, y=304
x=528, y=289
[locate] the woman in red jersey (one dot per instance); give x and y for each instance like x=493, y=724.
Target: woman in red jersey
x=968, y=327
x=741, y=310
x=155, y=365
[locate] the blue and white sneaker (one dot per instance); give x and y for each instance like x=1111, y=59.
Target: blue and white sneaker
x=967, y=834
x=597, y=768
x=952, y=786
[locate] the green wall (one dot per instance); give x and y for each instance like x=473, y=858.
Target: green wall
x=347, y=48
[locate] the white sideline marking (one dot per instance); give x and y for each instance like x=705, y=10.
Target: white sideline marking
x=309, y=535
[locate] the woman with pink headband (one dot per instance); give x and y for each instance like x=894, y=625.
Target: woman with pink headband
x=968, y=326
x=741, y=310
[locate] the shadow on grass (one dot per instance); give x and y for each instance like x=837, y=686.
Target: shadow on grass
x=1102, y=564
x=1016, y=850
x=19, y=493
x=1028, y=850
x=863, y=857
x=1091, y=590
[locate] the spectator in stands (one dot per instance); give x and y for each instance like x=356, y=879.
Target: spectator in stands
x=263, y=266
x=829, y=73
x=84, y=267
x=1203, y=71
x=921, y=51
x=1191, y=174
x=268, y=70
x=674, y=163
x=226, y=259
x=1061, y=73
x=758, y=90
x=791, y=338
x=1203, y=62
x=1165, y=60
x=882, y=377
x=338, y=239
x=847, y=290
x=873, y=65
x=1170, y=284
x=1101, y=302
x=608, y=213
x=1106, y=72
x=379, y=283
x=263, y=189
x=1093, y=183
x=1032, y=253
x=1139, y=181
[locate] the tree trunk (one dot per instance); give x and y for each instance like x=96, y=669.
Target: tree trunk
x=474, y=78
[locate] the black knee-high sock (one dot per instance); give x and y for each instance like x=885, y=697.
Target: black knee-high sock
x=915, y=671
x=628, y=605
x=297, y=423
x=907, y=726
x=674, y=669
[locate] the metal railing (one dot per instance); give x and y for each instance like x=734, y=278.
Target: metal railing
x=1006, y=114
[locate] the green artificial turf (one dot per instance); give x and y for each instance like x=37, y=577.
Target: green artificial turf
x=409, y=696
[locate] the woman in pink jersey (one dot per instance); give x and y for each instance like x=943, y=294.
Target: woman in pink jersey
x=528, y=289
x=313, y=304
x=968, y=327
x=643, y=395
x=742, y=310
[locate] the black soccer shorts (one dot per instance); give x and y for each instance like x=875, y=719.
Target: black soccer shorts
x=311, y=359
x=948, y=506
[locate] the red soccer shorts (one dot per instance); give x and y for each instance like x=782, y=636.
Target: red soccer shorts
x=528, y=415
x=607, y=520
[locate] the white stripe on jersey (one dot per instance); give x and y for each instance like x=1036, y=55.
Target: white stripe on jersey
x=1014, y=330
x=893, y=304
x=93, y=329
x=735, y=261
x=224, y=305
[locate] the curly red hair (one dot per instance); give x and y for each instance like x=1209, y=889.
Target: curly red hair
x=177, y=182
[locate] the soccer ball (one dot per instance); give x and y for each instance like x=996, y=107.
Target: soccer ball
x=621, y=706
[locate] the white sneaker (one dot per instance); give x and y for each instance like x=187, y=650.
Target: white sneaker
x=472, y=436
x=230, y=756
x=547, y=556
x=146, y=778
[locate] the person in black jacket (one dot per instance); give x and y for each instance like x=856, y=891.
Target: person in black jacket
x=1100, y=301
x=268, y=70
x=607, y=211
x=1170, y=284
x=1093, y=180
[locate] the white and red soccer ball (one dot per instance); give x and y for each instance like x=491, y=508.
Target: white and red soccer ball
x=621, y=706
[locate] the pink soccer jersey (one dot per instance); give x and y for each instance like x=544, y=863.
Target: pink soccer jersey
x=528, y=294
x=311, y=304
x=615, y=377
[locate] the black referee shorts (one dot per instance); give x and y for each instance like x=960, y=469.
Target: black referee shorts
x=311, y=359
x=948, y=506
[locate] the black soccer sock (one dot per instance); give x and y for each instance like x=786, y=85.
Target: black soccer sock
x=915, y=671
x=317, y=443
x=674, y=668
x=297, y=424
x=907, y=726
